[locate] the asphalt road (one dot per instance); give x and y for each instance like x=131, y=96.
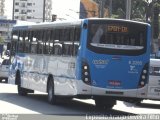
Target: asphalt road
x=36, y=104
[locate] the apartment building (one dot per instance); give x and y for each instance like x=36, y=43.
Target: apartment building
x=32, y=10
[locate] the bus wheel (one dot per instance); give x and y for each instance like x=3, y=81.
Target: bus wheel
x=135, y=101
x=52, y=99
x=21, y=91
x=105, y=103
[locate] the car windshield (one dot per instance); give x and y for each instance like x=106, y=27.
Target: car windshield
x=154, y=71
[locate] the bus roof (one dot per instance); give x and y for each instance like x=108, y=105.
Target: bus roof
x=113, y=19
x=47, y=25
x=66, y=23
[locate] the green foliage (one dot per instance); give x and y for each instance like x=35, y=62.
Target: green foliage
x=155, y=20
x=119, y=8
x=138, y=10
x=1, y=40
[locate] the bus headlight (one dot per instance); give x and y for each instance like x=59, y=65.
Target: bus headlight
x=143, y=77
x=144, y=71
x=143, y=80
x=86, y=79
x=85, y=67
x=86, y=73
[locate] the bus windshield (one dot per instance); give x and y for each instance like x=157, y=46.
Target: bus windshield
x=117, y=36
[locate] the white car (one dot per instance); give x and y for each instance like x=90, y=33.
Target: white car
x=154, y=79
x=4, y=69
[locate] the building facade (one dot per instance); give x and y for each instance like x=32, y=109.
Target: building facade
x=32, y=10
x=5, y=33
x=2, y=7
x=6, y=28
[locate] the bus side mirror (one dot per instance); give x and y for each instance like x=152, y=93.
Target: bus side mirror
x=85, y=25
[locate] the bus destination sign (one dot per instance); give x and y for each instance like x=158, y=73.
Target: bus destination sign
x=116, y=28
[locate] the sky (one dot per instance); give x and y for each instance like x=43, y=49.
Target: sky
x=65, y=9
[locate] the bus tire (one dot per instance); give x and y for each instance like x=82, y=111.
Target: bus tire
x=52, y=99
x=105, y=103
x=135, y=101
x=21, y=91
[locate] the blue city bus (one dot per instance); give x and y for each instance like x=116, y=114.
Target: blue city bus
x=98, y=58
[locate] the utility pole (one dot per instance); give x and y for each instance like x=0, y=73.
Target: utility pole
x=128, y=9
x=13, y=10
x=44, y=7
x=110, y=8
x=101, y=8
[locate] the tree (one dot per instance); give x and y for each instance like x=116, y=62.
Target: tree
x=155, y=20
x=155, y=26
x=118, y=8
x=138, y=10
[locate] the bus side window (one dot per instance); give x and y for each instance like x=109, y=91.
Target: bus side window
x=20, y=42
x=76, y=40
x=67, y=48
x=26, y=49
x=34, y=43
x=75, y=49
x=39, y=42
x=46, y=41
x=57, y=49
x=55, y=44
x=14, y=42
x=66, y=41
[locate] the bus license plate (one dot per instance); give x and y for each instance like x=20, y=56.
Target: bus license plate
x=114, y=83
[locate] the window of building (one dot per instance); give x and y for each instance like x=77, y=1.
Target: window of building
x=23, y=5
x=23, y=18
x=23, y=12
x=17, y=3
x=16, y=17
x=16, y=10
x=29, y=4
x=29, y=11
x=29, y=17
